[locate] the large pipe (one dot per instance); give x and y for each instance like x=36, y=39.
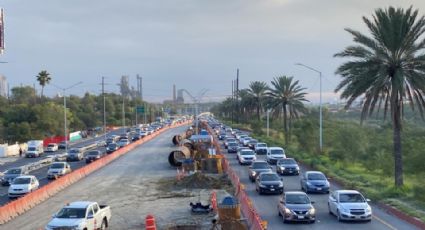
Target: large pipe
x=178, y=155
x=179, y=137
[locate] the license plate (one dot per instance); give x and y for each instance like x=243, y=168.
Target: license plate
x=319, y=189
x=300, y=217
x=272, y=189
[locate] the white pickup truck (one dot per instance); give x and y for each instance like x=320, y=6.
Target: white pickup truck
x=81, y=215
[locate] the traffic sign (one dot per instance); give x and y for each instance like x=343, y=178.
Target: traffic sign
x=140, y=109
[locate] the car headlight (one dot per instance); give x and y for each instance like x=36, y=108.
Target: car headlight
x=287, y=210
x=280, y=185
x=309, y=183
x=368, y=209
x=253, y=173
x=312, y=211
x=282, y=168
x=297, y=168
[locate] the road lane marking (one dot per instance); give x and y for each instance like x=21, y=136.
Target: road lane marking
x=384, y=222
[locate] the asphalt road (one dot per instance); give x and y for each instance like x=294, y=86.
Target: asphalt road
x=266, y=205
x=41, y=173
x=126, y=185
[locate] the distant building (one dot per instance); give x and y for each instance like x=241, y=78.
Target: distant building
x=4, y=89
x=180, y=99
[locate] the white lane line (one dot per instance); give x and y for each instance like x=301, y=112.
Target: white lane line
x=384, y=222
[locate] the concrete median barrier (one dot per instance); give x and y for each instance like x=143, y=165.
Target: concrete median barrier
x=19, y=206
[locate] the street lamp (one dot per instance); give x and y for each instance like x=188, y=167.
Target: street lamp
x=64, y=109
x=320, y=104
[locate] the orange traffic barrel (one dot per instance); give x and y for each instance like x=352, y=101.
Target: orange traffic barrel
x=150, y=222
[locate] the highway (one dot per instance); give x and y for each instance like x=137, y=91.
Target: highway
x=266, y=205
x=127, y=185
x=41, y=173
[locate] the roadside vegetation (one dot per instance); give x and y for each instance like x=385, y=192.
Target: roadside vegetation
x=26, y=114
x=375, y=146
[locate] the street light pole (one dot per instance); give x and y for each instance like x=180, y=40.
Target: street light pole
x=268, y=113
x=64, y=110
x=320, y=105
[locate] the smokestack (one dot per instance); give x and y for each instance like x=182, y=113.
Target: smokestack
x=174, y=93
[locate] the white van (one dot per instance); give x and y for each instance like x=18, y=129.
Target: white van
x=274, y=154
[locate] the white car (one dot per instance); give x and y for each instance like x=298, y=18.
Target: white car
x=349, y=205
x=246, y=156
x=22, y=185
x=274, y=154
x=123, y=142
x=246, y=140
x=52, y=147
x=58, y=169
x=260, y=148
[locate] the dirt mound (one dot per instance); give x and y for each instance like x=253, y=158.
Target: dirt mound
x=201, y=181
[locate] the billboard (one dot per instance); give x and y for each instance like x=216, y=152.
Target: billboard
x=1, y=30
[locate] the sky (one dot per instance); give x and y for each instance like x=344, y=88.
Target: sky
x=195, y=44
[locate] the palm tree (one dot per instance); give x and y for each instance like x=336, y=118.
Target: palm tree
x=387, y=70
x=288, y=96
x=43, y=79
x=258, y=89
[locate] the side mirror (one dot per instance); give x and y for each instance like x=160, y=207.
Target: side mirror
x=313, y=202
x=282, y=202
x=368, y=200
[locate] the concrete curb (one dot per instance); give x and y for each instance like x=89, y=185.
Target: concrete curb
x=401, y=215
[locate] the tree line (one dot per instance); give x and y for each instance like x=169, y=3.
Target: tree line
x=26, y=115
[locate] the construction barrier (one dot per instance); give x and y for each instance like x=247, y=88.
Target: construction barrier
x=21, y=205
x=247, y=208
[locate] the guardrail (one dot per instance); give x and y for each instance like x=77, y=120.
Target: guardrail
x=248, y=210
x=17, y=207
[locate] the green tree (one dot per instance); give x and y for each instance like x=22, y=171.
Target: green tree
x=23, y=95
x=287, y=96
x=43, y=79
x=257, y=90
x=387, y=69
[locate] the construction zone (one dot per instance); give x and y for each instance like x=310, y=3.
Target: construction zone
x=201, y=176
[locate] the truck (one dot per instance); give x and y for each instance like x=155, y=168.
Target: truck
x=35, y=148
x=84, y=215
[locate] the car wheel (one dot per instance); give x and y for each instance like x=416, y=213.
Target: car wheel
x=312, y=221
x=338, y=216
x=103, y=226
x=278, y=212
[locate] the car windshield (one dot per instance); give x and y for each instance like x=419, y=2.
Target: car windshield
x=77, y=213
x=51, y=145
x=230, y=140
x=21, y=180
x=351, y=198
x=276, y=152
x=247, y=152
x=93, y=153
x=269, y=177
x=297, y=199
x=261, y=145
x=13, y=171
x=57, y=166
x=112, y=145
x=232, y=144
x=260, y=165
x=31, y=149
x=287, y=162
x=316, y=176
x=74, y=151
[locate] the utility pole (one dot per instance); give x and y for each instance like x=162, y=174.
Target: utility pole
x=237, y=95
x=104, y=106
x=233, y=95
